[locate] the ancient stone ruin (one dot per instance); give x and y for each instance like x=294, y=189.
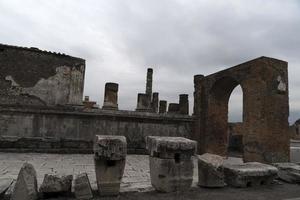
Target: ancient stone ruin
x=264, y=82
x=42, y=109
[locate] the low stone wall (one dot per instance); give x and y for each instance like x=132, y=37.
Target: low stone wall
x=71, y=130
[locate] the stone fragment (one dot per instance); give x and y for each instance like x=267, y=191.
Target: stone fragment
x=171, y=164
x=210, y=170
x=54, y=184
x=26, y=184
x=249, y=174
x=82, y=187
x=110, y=157
x=289, y=172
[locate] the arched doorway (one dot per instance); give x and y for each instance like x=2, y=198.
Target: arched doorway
x=264, y=82
x=235, y=123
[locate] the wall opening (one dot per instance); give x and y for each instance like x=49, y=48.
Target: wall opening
x=235, y=122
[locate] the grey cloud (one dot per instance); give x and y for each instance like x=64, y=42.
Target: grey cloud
x=178, y=38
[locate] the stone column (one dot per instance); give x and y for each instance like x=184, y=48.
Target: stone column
x=184, y=104
x=173, y=108
x=111, y=96
x=155, y=100
x=171, y=163
x=149, y=82
x=143, y=103
x=162, y=106
x=198, y=90
x=110, y=157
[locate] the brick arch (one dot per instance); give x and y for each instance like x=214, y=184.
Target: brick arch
x=265, y=109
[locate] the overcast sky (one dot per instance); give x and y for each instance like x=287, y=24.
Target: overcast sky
x=119, y=39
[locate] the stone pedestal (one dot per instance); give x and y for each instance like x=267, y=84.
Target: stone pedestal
x=82, y=187
x=210, y=170
x=111, y=96
x=171, y=164
x=110, y=157
x=184, y=104
x=162, y=106
x=56, y=185
x=26, y=184
x=249, y=174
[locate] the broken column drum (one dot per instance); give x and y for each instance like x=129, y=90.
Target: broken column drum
x=171, y=163
x=143, y=103
x=155, y=102
x=162, y=106
x=110, y=157
x=111, y=96
x=184, y=104
x=173, y=108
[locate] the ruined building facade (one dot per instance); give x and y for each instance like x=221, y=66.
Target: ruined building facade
x=42, y=108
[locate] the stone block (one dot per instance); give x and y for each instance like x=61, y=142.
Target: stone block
x=26, y=184
x=111, y=147
x=288, y=172
x=210, y=170
x=171, y=147
x=168, y=175
x=110, y=158
x=249, y=174
x=54, y=185
x=109, y=175
x=171, y=164
x=82, y=187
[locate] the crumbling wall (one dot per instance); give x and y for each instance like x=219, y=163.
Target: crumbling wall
x=71, y=130
x=29, y=76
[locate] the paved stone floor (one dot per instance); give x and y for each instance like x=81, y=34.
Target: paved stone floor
x=136, y=176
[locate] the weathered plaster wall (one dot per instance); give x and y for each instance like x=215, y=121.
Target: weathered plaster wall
x=71, y=130
x=29, y=76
